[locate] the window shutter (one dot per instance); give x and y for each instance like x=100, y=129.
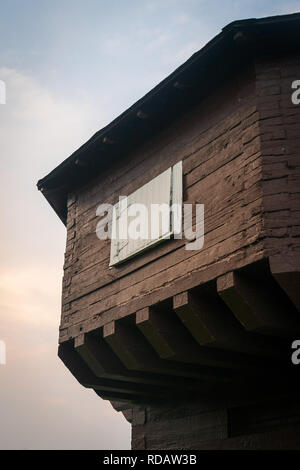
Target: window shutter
x=164, y=190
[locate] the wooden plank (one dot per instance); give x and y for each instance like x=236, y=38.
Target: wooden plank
x=188, y=310
x=152, y=327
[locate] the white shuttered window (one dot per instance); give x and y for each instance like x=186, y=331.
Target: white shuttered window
x=145, y=217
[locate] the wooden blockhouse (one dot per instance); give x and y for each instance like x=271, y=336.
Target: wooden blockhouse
x=195, y=346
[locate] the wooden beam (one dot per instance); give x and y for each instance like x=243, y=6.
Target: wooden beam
x=194, y=319
x=171, y=340
x=212, y=324
x=136, y=353
x=254, y=306
x=128, y=346
x=128, y=343
x=158, y=332
x=103, y=362
x=92, y=354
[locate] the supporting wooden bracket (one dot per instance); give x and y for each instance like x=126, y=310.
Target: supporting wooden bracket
x=254, y=306
x=212, y=324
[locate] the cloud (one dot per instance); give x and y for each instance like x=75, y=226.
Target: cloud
x=27, y=296
x=181, y=19
x=38, y=130
x=51, y=126
x=42, y=406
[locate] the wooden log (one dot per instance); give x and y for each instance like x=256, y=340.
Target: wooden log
x=128, y=346
x=162, y=335
x=194, y=318
x=93, y=353
x=254, y=306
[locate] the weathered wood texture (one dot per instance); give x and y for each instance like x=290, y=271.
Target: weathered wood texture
x=240, y=152
x=219, y=144
x=280, y=148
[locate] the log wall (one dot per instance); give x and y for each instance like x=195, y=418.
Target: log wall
x=219, y=144
x=240, y=151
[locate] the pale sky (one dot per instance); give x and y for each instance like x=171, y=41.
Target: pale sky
x=70, y=67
